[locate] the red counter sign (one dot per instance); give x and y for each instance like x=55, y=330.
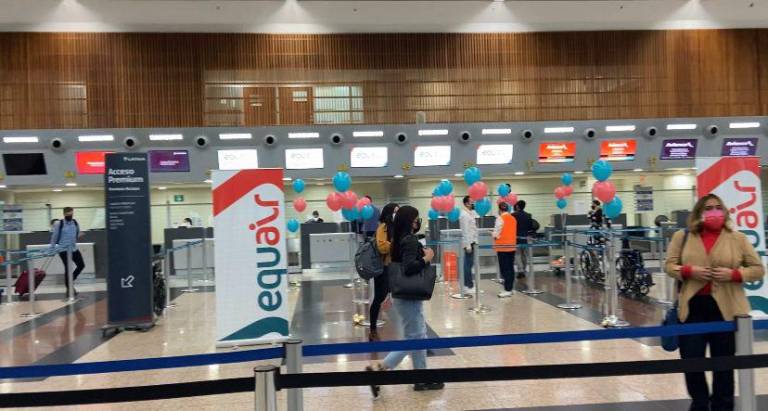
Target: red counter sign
x=90, y=162
x=557, y=152
x=618, y=150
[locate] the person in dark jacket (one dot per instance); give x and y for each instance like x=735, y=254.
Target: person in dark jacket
x=413, y=258
x=381, y=283
x=524, y=231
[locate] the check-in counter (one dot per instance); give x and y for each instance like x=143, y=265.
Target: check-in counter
x=331, y=250
x=195, y=254
x=56, y=267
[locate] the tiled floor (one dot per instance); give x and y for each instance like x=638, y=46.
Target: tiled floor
x=321, y=313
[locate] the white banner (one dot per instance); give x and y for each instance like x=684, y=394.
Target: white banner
x=737, y=181
x=251, y=259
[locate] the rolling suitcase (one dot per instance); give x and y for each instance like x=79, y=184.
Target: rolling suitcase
x=22, y=283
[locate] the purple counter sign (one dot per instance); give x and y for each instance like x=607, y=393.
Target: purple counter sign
x=739, y=147
x=164, y=161
x=679, y=149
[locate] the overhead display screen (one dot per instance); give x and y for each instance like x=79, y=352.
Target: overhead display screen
x=494, y=154
x=679, y=149
x=618, y=150
x=90, y=162
x=24, y=164
x=428, y=156
x=245, y=159
x=168, y=161
x=557, y=152
x=368, y=157
x=739, y=147
x=304, y=158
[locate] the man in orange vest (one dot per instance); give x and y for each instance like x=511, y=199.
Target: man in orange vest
x=505, y=240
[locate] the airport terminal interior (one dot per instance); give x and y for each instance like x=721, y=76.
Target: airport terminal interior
x=212, y=176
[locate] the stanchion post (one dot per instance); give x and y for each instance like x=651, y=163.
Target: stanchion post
x=460, y=257
x=611, y=289
x=568, y=305
x=205, y=260
x=293, y=365
x=745, y=337
x=478, y=308
x=70, y=280
x=265, y=395
x=167, y=271
x=531, y=290
x=8, y=275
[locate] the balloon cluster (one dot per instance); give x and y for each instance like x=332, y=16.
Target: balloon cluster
x=506, y=195
x=478, y=190
x=605, y=190
x=564, y=191
x=299, y=204
x=443, y=202
x=352, y=207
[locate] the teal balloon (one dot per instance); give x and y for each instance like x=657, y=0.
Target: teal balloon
x=613, y=208
x=454, y=214
x=562, y=203
x=503, y=190
x=445, y=187
x=367, y=212
x=436, y=191
x=433, y=214
x=567, y=179
x=298, y=185
x=350, y=214
x=342, y=181
x=602, y=170
x=293, y=225
x=472, y=175
x=483, y=206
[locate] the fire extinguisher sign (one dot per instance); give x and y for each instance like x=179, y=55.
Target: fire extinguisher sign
x=737, y=181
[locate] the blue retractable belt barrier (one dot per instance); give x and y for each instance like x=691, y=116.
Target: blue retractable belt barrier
x=143, y=364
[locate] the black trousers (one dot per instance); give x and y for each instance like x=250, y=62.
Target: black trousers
x=703, y=308
x=380, y=291
x=507, y=269
x=77, y=258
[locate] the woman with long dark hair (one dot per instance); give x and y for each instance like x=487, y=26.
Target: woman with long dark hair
x=711, y=262
x=413, y=258
x=381, y=283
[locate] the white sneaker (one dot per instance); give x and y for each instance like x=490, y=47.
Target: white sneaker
x=506, y=294
x=469, y=290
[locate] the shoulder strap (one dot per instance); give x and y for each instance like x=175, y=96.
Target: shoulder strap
x=680, y=257
x=60, y=229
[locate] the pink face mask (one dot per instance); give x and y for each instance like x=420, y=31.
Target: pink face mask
x=714, y=219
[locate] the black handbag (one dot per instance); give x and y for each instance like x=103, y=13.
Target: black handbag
x=419, y=286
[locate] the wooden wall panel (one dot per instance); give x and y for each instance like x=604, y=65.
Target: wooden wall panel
x=74, y=80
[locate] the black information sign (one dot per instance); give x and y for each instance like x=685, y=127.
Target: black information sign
x=129, y=279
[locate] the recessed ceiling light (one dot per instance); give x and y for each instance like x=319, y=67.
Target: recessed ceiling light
x=578, y=172
x=681, y=126
x=638, y=170
x=3, y=186
x=208, y=181
x=519, y=173
x=304, y=135
x=751, y=124
x=166, y=137
x=162, y=188
x=370, y=133
x=496, y=131
x=91, y=139
x=57, y=190
x=438, y=132
x=12, y=140
x=628, y=127
x=71, y=184
x=287, y=179
x=458, y=175
x=550, y=130
x=399, y=176
x=235, y=136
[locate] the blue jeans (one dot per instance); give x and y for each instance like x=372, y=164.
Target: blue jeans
x=411, y=314
x=469, y=262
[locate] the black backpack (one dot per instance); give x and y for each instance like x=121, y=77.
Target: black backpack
x=368, y=261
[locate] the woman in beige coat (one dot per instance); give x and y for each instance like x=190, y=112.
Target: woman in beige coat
x=711, y=261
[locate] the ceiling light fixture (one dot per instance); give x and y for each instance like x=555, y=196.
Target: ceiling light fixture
x=162, y=188
x=92, y=139
x=438, y=132
x=13, y=140
x=752, y=124
x=310, y=134
x=628, y=127
x=496, y=131
x=235, y=136
x=71, y=184
x=165, y=137
x=371, y=133
x=519, y=173
x=552, y=130
x=681, y=126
